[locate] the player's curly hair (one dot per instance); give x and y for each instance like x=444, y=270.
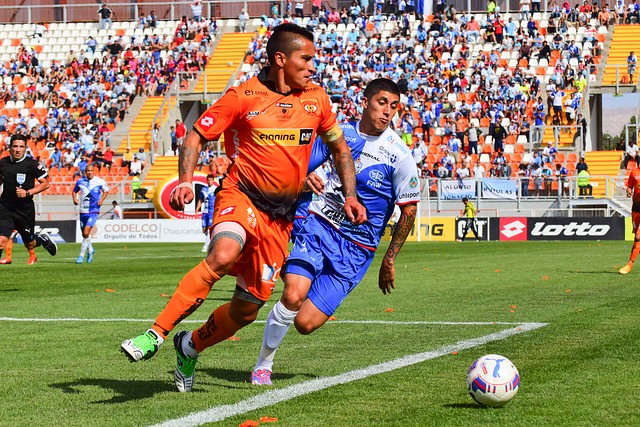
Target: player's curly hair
x=380, y=85
x=285, y=39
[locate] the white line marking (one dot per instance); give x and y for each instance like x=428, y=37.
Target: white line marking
x=269, y=398
x=362, y=322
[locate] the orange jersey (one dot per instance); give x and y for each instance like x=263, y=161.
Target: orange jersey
x=269, y=137
x=634, y=184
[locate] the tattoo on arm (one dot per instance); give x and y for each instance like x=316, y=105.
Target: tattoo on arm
x=343, y=161
x=401, y=231
x=187, y=161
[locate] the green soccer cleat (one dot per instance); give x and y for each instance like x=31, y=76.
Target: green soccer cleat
x=142, y=347
x=185, y=366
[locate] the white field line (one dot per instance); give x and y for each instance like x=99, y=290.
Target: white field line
x=269, y=398
x=376, y=322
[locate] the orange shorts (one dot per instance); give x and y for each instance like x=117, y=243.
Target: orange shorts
x=258, y=267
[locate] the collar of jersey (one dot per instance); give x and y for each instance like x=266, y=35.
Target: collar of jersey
x=18, y=161
x=269, y=84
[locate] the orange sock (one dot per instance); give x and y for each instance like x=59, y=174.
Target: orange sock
x=635, y=250
x=189, y=295
x=219, y=327
x=9, y=248
x=32, y=252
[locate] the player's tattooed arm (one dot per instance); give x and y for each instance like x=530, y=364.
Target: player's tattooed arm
x=386, y=278
x=189, y=152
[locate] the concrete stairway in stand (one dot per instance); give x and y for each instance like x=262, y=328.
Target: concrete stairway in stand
x=626, y=38
x=164, y=167
x=602, y=163
x=224, y=61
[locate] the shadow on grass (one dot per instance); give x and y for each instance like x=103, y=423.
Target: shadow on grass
x=242, y=377
x=464, y=406
x=125, y=390
x=10, y=290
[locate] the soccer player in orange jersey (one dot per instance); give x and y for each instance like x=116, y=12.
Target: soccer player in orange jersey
x=269, y=125
x=633, y=190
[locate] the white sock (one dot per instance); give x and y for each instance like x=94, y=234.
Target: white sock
x=188, y=347
x=278, y=322
x=159, y=338
x=90, y=248
x=84, y=246
x=207, y=240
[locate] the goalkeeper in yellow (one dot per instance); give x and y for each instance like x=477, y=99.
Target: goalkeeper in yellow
x=469, y=212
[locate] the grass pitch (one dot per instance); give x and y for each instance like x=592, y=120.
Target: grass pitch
x=63, y=324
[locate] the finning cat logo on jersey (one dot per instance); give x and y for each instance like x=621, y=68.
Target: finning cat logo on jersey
x=21, y=178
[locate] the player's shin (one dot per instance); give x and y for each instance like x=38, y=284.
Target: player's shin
x=278, y=322
x=635, y=250
x=188, y=296
x=218, y=327
x=84, y=246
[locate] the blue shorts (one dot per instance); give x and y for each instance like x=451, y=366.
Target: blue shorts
x=88, y=220
x=207, y=220
x=334, y=264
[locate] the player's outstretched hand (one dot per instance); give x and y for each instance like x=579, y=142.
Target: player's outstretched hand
x=181, y=197
x=387, y=276
x=356, y=213
x=314, y=183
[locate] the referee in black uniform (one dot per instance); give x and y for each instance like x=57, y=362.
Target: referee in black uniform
x=22, y=177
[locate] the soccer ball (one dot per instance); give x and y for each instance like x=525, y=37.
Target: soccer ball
x=493, y=380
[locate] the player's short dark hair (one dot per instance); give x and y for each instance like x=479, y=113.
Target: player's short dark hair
x=114, y=203
x=18, y=137
x=465, y=200
x=381, y=85
x=210, y=176
x=285, y=39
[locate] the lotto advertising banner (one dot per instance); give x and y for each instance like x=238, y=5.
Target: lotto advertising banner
x=146, y=230
x=434, y=229
x=558, y=228
x=493, y=188
x=60, y=231
x=457, y=189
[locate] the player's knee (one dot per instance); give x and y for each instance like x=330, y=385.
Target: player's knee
x=304, y=327
x=243, y=318
x=221, y=260
x=292, y=298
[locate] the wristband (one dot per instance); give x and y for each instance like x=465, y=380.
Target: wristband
x=185, y=184
x=28, y=193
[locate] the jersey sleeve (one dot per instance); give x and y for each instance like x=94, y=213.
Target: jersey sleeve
x=104, y=186
x=319, y=154
x=405, y=182
x=39, y=171
x=632, y=182
x=76, y=187
x=213, y=122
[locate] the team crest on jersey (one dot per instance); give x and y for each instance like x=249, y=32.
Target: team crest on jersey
x=21, y=178
x=413, y=183
x=358, y=165
x=311, y=108
x=206, y=121
x=228, y=210
x=251, y=218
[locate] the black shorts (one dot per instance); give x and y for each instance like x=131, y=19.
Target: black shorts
x=21, y=218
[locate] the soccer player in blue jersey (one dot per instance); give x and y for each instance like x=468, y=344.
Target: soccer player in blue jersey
x=89, y=192
x=206, y=198
x=331, y=255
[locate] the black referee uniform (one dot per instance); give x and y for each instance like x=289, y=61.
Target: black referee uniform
x=19, y=213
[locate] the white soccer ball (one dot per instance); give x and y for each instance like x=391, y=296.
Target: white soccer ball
x=493, y=380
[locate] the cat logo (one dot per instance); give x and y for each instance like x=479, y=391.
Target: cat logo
x=305, y=136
